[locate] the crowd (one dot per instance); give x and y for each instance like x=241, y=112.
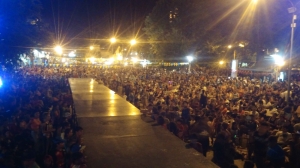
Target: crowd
x=204, y=108
x=210, y=111
x=38, y=125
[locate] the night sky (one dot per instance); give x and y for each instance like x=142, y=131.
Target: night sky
x=95, y=18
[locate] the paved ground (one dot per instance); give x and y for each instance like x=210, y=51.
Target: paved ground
x=116, y=135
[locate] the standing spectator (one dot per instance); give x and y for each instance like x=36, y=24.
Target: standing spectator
x=260, y=144
x=223, y=154
x=185, y=115
x=203, y=99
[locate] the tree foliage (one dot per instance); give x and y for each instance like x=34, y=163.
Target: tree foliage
x=207, y=27
x=21, y=27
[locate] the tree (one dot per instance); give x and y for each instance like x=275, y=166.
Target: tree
x=176, y=28
x=164, y=29
x=207, y=27
x=21, y=28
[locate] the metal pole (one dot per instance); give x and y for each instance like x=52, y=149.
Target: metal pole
x=189, y=67
x=234, y=54
x=293, y=25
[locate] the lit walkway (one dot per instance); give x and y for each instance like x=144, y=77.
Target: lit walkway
x=117, y=136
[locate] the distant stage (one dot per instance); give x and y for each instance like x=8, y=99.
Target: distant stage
x=117, y=136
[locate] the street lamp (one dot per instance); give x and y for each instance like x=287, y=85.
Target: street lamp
x=293, y=25
x=190, y=59
x=133, y=42
x=91, y=47
x=58, y=49
x=221, y=62
x=254, y=1
x=113, y=40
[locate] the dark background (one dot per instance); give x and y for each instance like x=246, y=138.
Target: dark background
x=73, y=19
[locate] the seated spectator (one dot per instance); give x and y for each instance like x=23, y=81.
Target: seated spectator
x=59, y=153
x=48, y=162
x=77, y=147
x=29, y=160
x=248, y=164
x=77, y=137
x=78, y=160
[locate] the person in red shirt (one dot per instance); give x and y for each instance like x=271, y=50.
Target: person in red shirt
x=60, y=153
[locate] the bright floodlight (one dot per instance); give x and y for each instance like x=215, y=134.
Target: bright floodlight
x=254, y=1
x=221, y=62
x=230, y=46
x=72, y=54
x=241, y=45
x=133, y=42
x=120, y=57
x=113, y=40
x=92, y=59
x=278, y=60
x=189, y=58
x=58, y=50
x=1, y=82
x=134, y=59
x=91, y=47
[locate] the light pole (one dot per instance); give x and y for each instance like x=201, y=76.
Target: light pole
x=293, y=25
x=132, y=43
x=190, y=59
x=112, y=41
x=219, y=68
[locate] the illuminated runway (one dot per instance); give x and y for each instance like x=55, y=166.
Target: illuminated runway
x=94, y=100
x=117, y=136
